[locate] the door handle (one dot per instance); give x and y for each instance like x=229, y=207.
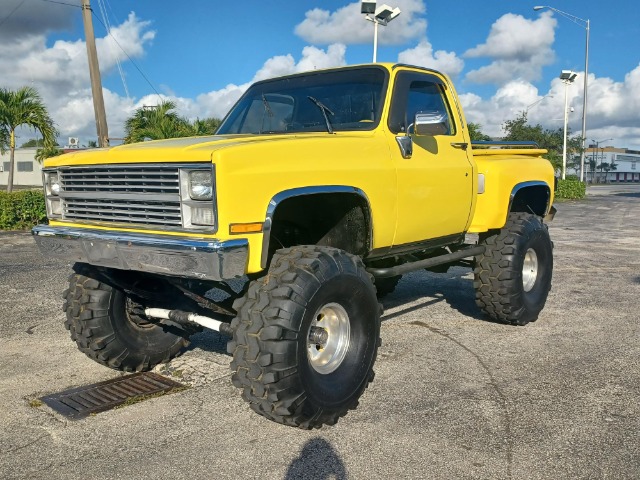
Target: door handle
x=462, y=145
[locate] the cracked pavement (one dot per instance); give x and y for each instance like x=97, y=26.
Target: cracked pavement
x=455, y=396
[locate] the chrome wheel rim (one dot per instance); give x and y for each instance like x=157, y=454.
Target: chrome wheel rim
x=529, y=270
x=329, y=338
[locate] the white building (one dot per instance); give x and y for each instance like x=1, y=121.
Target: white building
x=626, y=170
x=27, y=172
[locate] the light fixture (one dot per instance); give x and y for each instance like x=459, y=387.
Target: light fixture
x=381, y=15
x=567, y=77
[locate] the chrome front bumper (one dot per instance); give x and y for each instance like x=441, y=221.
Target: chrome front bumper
x=178, y=256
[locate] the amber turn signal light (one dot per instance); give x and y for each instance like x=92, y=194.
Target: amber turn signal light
x=236, y=228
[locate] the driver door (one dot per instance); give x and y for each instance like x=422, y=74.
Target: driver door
x=435, y=185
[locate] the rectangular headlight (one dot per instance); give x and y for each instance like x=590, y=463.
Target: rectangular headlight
x=200, y=185
x=52, y=190
x=52, y=183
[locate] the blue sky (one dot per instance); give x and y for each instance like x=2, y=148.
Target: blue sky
x=502, y=55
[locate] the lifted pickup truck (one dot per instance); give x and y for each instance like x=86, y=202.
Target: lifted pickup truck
x=318, y=191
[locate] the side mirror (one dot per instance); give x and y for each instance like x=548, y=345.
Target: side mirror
x=432, y=122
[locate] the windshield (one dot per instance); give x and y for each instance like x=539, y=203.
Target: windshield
x=348, y=100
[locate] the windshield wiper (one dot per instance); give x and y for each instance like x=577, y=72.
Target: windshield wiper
x=324, y=109
x=267, y=107
x=268, y=111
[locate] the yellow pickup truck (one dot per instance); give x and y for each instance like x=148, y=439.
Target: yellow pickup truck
x=317, y=193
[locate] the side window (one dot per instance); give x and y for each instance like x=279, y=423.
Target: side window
x=414, y=93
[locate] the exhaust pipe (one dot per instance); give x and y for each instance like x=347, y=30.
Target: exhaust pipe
x=181, y=317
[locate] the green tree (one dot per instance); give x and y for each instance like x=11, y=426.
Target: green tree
x=552, y=140
x=32, y=143
x=475, y=133
x=156, y=123
x=92, y=144
x=206, y=126
x=593, y=163
x=47, y=152
x=23, y=107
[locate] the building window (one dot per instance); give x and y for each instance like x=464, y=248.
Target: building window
x=25, y=166
x=5, y=166
x=633, y=165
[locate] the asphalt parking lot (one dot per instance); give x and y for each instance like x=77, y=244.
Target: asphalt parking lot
x=455, y=396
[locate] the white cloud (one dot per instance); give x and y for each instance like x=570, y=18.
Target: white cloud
x=520, y=48
x=347, y=25
x=612, y=107
x=423, y=56
x=60, y=73
x=63, y=67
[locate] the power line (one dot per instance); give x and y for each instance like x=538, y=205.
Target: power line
x=108, y=32
x=12, y=12
x=105, y=17
x=62, y=3
x=125, y=52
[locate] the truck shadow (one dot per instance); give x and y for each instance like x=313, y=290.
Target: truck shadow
x=209, y=341
x=454, y=287
x=628, y=194
x=319, y=460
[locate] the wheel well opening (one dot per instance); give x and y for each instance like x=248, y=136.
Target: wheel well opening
x=534, y=199
x=340, y=220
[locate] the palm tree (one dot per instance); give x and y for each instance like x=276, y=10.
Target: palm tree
x=4, y=139
x=206, y=126
x=155, y=123
x=23, y=107
x=44, y=152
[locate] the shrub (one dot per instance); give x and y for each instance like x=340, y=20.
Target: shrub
x=571, y=189
x=22, y=210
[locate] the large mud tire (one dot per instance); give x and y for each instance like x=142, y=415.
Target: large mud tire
x=273, y=358
x=99, y=321
x=513, y=277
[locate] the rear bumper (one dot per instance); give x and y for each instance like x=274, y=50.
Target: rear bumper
x=177, y=256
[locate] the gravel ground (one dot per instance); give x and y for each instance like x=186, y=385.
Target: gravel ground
x=455, y=396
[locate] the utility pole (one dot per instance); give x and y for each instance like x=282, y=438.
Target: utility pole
x=94, y=72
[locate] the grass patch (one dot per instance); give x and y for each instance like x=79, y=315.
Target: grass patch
x=35, y=403
x=142, y=398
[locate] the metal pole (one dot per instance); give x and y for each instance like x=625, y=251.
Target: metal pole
x=564, y=140
x=584, y=103
x=94, y=73
x=375, y=39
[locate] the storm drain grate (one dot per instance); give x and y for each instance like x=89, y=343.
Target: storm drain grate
x=77, y=403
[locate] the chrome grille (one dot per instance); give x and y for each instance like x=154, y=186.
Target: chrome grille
x=144, y=195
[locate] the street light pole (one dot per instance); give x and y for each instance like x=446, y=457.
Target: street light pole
x=564, y=136
x=587, y=25
x=375, y=41
x=567, y=77
x=381, y=15
x=529, y=107
x=584, y=102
